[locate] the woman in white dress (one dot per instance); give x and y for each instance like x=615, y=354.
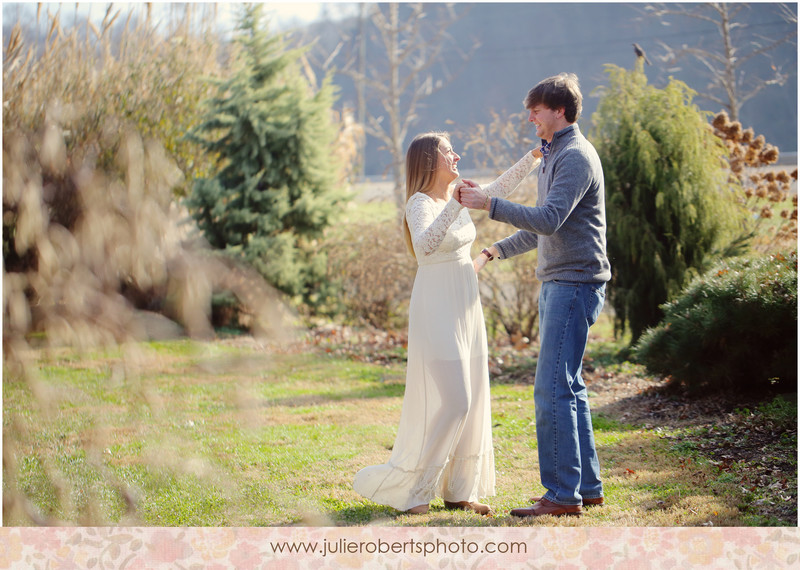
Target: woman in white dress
x=444, y=441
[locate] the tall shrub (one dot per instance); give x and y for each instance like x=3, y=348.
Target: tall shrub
x=93, y=122
x=734, y=328
x=274, y=190
x=669, y=205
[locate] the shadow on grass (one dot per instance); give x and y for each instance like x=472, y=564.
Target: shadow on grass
x=392, y=389
x=644, y=477
x=362, y=514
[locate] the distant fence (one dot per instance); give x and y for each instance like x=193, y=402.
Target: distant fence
x=787, y=159
x=378, y=187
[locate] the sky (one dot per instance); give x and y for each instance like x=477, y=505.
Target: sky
x=295, y=12
x=283, y=14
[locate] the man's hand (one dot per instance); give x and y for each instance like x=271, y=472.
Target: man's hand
x=479, y=263
x=460, y=186
x=473, y=197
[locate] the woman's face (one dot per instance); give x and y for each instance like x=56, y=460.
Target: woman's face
x=447, y=168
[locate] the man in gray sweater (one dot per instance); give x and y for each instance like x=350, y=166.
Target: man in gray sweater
x=568, y=226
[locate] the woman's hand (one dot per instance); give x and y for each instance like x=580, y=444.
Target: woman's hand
x=537, y=152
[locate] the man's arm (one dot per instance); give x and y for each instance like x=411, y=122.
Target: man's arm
x=516, y=244
x=570, y=183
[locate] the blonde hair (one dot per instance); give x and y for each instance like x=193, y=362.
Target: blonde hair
x=422, y=158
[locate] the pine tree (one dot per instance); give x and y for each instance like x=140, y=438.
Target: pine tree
x=275, y=191
x=670, y=207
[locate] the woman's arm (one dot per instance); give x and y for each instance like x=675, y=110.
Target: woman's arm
x=427, y=229
x=507, y=182
x=473, y=196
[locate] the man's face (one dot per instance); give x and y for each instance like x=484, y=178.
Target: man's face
x=547, y=121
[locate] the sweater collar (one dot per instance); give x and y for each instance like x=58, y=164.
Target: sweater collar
x=565, y=132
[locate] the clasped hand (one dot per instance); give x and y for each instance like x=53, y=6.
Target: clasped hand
x=470, y=195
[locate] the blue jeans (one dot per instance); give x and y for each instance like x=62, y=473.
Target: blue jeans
x=568, y=461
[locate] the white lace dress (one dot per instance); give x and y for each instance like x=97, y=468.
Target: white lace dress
x=444, y=439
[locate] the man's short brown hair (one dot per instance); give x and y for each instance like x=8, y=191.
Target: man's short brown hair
x=562, y=90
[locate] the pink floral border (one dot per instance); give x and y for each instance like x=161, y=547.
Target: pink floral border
x=62, y=548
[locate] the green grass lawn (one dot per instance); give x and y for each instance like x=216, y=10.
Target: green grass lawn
x=233, y=434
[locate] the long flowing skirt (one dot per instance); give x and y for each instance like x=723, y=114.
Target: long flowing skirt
x=444, y=440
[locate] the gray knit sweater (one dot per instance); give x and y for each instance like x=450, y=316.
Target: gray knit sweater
x=568, y=223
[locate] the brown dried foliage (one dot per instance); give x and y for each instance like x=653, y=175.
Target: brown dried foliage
x=375, y=273
x=765, y=191
x=93, y=242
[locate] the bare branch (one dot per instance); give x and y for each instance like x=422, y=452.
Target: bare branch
x=411, y=45
x=724, y=61
x=768, y=48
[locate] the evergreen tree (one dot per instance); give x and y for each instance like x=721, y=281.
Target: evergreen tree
x=275, y=188
x=670, y=208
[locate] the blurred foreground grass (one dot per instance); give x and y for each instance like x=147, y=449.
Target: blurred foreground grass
x=232, y=433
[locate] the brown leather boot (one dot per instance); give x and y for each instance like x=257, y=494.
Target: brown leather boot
x=545, y=507
x=586, y=502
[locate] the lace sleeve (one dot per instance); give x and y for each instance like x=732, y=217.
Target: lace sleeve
x=507, y=182
x=427, y=228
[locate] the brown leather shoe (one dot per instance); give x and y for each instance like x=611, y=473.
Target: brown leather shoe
x=418, y=510
x=586, y=502
x=479, y=508
x=545, y=507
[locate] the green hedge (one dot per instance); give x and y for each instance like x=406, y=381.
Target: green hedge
x=733, y=328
